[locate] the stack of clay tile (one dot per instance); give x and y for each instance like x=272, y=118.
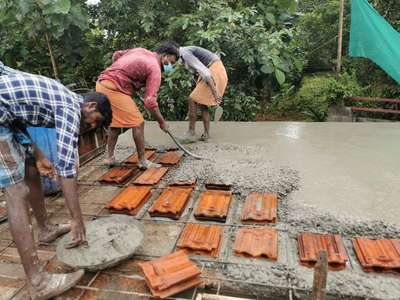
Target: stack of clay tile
x=310, y=244
x=171, y=274
x=378, y=255
x=130, y=200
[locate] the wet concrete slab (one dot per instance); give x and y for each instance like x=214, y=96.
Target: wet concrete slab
x=346, y=168
x=160, y=238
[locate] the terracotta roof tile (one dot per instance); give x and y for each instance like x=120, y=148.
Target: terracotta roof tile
x=151, y=176
x=130, y=200
x=134, y=158
x=310, y=244
x=171, y=203
x=119, y=175
x=170, y=158
x=213, y=205
x=201, y=239
x=260, y=208
x=257, y=242
x=378, y=255
x=171, y=274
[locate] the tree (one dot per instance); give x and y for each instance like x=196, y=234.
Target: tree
x=32, y=23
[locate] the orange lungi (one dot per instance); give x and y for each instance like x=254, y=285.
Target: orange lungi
x=125, y=113
x=202, y=93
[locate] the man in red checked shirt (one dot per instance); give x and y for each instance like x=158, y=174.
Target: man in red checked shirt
x=131, y=70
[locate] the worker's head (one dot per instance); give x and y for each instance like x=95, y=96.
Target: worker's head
x=168, y=53
x=96, y=110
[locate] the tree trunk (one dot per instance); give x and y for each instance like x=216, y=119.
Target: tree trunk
x=53, y=60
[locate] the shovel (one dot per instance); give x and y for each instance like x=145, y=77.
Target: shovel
x=181, y=147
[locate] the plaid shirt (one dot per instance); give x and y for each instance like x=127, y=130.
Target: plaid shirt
x=4, y=70
x=40, y=101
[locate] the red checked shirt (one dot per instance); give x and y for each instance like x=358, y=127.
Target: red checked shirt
x=133, y=69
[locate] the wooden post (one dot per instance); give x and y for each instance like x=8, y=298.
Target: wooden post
x=340, y=40
x=320, y=276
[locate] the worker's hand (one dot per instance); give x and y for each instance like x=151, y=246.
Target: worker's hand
x=45, y=168
x=164, y=126
x=219, y=100
x=78, y=232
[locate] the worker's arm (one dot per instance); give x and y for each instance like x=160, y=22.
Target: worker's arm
x=69, y=188
x=44, y=166
x=67, y=134
x=195, y=64
x=153, y=83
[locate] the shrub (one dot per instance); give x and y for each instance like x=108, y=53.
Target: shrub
x=317, y=93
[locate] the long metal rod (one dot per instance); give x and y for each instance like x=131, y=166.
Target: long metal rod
x=340, y=40
x=183, y=148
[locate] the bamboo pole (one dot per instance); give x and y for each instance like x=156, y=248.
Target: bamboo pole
x=53, y=60
x=340, y=40
x=320, y=276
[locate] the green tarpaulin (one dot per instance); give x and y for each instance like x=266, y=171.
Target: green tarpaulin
x=371, y=36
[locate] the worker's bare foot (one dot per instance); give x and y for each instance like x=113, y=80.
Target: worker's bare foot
x=146, y=164
x=52, y=232
x=53, y=285
x=204, y=137
x=110, y=161
x=188, y=138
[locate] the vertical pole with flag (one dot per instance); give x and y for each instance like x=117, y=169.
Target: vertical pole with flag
x=340, y=40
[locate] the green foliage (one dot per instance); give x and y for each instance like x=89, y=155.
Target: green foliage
x=27, y=23
x=265, y=45
x=174, y=92
x=317, y=93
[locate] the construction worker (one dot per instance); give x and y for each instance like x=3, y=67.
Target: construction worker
x=33, y=100
x=130, y=71
x=211, y=84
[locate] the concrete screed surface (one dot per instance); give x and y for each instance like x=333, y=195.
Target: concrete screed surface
x=351, y=169
x=330, y=177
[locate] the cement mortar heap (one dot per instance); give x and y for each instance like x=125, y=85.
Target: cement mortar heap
x=248, y=170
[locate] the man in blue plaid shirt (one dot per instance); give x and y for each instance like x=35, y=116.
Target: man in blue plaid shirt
x=33, y=100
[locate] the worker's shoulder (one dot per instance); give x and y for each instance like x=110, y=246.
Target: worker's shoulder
x=141, y=52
